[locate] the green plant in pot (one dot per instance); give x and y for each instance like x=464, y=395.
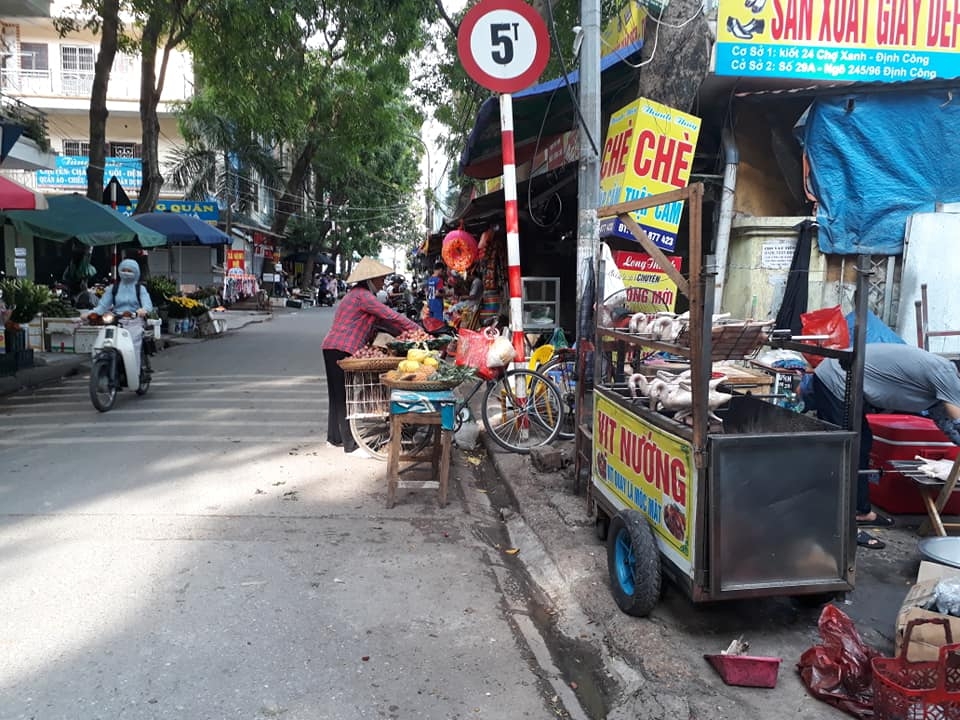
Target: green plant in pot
x=160, y=288
x=24, y=299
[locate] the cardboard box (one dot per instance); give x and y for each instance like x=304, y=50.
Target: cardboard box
x=926, y=641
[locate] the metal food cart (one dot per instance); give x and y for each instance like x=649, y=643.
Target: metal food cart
x=760, y=505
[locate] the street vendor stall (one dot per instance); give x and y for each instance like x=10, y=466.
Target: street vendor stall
x=727, y=494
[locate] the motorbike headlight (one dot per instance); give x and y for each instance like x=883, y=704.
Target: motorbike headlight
x=109, y=318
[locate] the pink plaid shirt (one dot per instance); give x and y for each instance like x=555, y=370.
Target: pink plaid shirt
x=353, y=322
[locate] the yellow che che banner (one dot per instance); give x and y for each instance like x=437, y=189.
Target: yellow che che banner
x=857, y=40
x=648, y=150
x=648, y=470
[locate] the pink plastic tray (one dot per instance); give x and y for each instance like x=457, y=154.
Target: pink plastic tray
x=746, y=670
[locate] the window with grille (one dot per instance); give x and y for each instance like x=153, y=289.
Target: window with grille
x=76, y=148
x=33, y=56
x=123, y=150
x=76, y=70
x=76, y=57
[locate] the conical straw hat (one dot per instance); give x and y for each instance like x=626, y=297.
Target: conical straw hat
x=367, y=269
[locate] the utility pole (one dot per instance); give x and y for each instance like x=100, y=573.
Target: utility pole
x=588, y=177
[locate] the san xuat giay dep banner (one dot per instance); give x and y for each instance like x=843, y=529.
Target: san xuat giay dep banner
x=649, y=288
x=647, y=470
x=649, y=150
x=849, y=40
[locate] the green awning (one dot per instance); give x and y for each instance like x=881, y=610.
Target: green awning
x=76, y=216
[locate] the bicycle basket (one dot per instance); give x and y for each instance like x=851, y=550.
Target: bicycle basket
x=366, y=395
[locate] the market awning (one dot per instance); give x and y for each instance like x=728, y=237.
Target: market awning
x=89, y=222
x=542, y=113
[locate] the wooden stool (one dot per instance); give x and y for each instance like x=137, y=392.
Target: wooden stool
x=409, y=409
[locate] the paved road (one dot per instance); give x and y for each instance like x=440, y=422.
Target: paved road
x=200, y=553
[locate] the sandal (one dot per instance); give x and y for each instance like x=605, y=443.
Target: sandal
x=865, y=539
x=880, y=521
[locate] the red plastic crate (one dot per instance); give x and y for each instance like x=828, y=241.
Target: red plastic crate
x=903, y=437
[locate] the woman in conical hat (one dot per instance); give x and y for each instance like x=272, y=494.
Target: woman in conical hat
x=351, y=330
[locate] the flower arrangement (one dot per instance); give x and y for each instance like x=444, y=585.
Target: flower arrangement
x=180, y=306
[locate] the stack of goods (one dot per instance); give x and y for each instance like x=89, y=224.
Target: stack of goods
x=370, y=351
x=424, y=367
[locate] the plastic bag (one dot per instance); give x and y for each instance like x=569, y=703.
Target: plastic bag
x=500, y=353
x=838, y=671
x=472, y=348
x=558, y=339
x=826, y=321
x=946, y=596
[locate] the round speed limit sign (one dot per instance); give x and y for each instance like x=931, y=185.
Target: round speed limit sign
x=503, y=45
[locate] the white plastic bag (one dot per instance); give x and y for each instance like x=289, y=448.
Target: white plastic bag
x=500, y=353
x=612, y=280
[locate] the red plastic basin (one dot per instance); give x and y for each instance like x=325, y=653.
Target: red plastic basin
x=746, y=670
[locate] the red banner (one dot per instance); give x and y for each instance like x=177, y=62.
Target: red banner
x=236, y=259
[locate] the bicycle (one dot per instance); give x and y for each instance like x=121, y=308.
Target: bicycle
x=561, y=370
x=515, y=422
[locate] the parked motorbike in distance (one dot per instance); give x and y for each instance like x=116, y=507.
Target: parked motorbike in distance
x=115, y=365
x=325, y=297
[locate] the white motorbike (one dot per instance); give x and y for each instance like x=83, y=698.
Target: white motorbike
x=115, y=361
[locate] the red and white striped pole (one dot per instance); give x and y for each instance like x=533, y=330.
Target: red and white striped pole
x=514, y=276
x=513, y=226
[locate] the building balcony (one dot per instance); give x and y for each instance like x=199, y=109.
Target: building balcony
x=46, y=87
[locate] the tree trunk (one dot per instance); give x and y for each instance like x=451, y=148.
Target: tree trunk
x=680, y=57
x=307, y=280
x=98, y=98
x=289, y=203
x=150, y=123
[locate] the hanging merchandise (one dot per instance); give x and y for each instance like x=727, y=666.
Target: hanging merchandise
x=459, y=250
x=493, y=282
x=485, y=239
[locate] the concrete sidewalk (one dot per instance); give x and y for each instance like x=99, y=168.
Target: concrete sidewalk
x=659, y=659
x=52, y=367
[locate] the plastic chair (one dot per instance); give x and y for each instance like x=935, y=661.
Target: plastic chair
x=540, y=356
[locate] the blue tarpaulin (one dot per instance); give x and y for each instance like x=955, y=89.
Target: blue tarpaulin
x=875, y=159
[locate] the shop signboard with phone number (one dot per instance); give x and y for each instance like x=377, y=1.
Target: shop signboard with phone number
x=647, y=469
x=858, y=40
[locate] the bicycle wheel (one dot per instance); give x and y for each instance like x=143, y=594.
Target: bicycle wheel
x=562, y=372
x=373, y=435
x=519, y=424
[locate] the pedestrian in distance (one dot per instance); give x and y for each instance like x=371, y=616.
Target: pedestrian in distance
x=435, y=287
x=352, y=329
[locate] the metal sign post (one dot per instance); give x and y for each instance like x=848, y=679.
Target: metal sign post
x=504, y=46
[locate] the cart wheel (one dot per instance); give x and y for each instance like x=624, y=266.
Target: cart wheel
x=373, y=435
x=633, y=562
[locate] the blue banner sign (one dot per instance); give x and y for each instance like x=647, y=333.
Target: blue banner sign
x=71, y=173
x=847, y=40
x=206, y=210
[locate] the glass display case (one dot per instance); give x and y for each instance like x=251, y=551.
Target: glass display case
x=541, y=303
